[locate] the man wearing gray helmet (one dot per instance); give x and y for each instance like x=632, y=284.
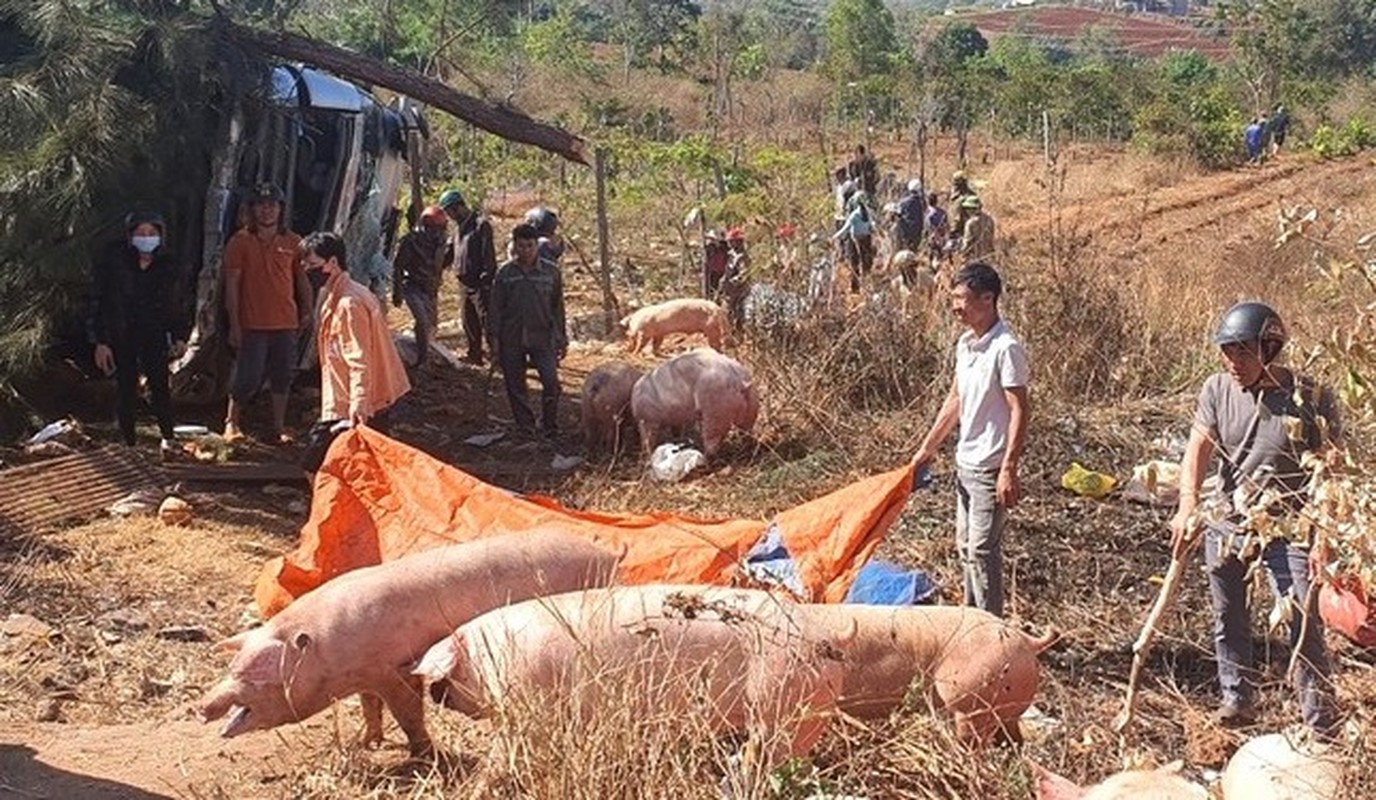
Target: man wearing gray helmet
x=1261, y=418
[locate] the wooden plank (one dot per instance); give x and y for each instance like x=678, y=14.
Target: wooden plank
x=237, y=472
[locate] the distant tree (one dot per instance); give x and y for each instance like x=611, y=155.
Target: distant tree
x=957, y=79
x=860, y=39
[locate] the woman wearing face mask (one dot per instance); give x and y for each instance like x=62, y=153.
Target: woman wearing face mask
x=135, y=324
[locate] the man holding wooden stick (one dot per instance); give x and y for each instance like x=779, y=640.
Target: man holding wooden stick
x=1261, y=418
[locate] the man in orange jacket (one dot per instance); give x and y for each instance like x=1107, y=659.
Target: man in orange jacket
x=361, y=374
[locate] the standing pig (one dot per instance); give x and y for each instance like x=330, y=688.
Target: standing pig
x=689, y=315
x=700, y=386
x=361, y=631
x=971, y=664
x=743, y=655
x=606, y=404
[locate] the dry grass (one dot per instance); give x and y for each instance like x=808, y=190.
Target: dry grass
x=1116, y=308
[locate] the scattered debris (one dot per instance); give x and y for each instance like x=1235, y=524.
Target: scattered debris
x=485, y=439
x=278, y=490
x=672, y=462
x=125, y=619
x=564, y=463
x=26, y=625
x=1087, y=482
x=190, y=431
x=49, y=449
x=52, y=431
x=184, y=633
x=142, y=502
x=51, y=711
x=174, y=511
x=297, y=507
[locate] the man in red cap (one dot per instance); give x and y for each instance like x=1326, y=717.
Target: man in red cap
x=416, y=275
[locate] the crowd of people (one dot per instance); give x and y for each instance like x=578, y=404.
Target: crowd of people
x=514, y=318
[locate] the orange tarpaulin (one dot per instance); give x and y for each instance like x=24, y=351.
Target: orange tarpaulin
x=376, y=499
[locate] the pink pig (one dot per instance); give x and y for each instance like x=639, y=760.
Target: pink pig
x=606, y=404
x=362, y=631
x=968, y=663
x=700, y=386
x=688, y=315
x=1156, y=784
x=749, y=656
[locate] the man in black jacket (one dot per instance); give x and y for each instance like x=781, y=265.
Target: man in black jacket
x=135, y=323
x=475, y=260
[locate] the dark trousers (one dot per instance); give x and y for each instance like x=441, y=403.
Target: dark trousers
x=146, y=355
x=861, y=260
x=424, y=306
x=514, y=362
x=475, y=302
x=1288, y=568
x=322, y=435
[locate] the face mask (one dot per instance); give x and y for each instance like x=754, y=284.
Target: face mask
x=145, y=244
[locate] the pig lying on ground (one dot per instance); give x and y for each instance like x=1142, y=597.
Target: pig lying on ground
x=1273, y=767
x=606, y=404
x=1156, y=784
x=688, y=315
x=700, y=386
x=362, y=631
x=749, y=659
x=970, y=664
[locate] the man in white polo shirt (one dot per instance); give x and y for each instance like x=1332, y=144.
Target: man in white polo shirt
x=988, y=399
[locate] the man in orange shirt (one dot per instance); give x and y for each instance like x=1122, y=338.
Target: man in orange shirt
x=269, y=304
x=361, y=374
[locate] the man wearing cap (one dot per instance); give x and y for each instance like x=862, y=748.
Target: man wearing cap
x=269, y=303
x=1261, y=419
x=136, y=323
x=977, y=232
x=960, y=188
x=716, y=255
x=416, y=275
x=545, y=221
x=474, y=257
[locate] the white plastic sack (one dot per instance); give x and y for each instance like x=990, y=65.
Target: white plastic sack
x=672, y=462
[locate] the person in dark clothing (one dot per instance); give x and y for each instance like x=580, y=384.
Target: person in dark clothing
x=527, y=328
x=864, y=170
x=908, y=222
x=716, y=256
x=135, y=323
x=474, y=257
x=1280, y=126
x=546, y=223
x=416, y=275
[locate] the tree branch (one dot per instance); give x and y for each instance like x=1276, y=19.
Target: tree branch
x=502, y=120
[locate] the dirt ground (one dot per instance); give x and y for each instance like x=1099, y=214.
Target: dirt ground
x=100, y=706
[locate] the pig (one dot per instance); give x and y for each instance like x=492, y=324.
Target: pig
x=748, y=656
x=699, y=386
x=606, y=404
x=360, y=632
x=1156, y=784
x=688, y=315
x=1272, y=767
x=970, y=664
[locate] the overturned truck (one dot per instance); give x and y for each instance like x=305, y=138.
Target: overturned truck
x=340, y=157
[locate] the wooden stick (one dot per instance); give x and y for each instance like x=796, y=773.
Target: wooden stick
x=1141, y=648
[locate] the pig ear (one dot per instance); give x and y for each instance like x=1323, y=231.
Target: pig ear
x=440, y=659
x=1051, y=786
x=260, y=663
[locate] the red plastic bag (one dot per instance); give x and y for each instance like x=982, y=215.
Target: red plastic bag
x=1344, y=607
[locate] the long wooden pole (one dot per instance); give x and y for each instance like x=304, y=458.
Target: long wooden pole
x=1170, y=587
x=604, y=245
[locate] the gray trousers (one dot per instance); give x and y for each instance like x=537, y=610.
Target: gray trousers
x=1288, y=568
x=979, y=538
x=424, y=307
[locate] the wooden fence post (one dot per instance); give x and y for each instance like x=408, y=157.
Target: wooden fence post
x=604, y=245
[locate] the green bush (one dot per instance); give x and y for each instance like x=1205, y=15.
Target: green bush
x=1350, y=139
